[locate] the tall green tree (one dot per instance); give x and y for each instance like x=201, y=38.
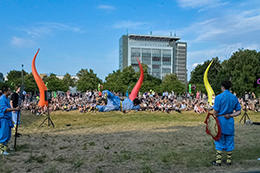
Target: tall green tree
x=53, y=83
x=113, y=82
x=14, y=78
x=127, y=79
x=30, y=84
x=171, y=83
x=88, y=80
x=198, y=73
x=118, y=81
x=121, y=81
x=150, y=82
x=68, y=80
x=243, y=69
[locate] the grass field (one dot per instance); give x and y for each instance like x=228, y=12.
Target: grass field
x=133, y=142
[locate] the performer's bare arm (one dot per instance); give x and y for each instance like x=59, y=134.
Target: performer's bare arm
x=234, y=114
x=215, y=113
x=11, y=104
x=12, y=109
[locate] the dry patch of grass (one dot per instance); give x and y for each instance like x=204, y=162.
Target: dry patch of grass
x=132, y=142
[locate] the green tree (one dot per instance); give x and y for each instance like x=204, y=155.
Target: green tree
x=30, y=84
x=55, y=84
x=14, y=78
x=3, y=84
x=243, y=69
x=68, y=80
x=149, y=82
x=198, y=73
x=88, y=80
x=113, y=82
x=120, y=81
x=199, y=87
x=127, y=80
x=171, y=83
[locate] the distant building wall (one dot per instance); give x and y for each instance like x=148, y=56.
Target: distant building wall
x=163, y=55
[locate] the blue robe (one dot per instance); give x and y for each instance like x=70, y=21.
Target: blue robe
x=5, y=120
x=128, y=104
x=113, y=103
x=226, y=103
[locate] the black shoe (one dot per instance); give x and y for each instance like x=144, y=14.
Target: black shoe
x=229, y=164
x=214, y=163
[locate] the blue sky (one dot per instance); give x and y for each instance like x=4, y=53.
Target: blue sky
x=75, y=34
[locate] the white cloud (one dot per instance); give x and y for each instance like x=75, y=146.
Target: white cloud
x=45, y=28
x=223, y=51
x=195, y=64
x=21, y=42
x=106, y=7
x=227, y=27
x=195, y=3
x=129, y=25
x=42, y=29
x=201, y=4
x=220, y=36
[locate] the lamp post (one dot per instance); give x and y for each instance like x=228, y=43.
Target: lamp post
x=19, y=112
x=22, y=87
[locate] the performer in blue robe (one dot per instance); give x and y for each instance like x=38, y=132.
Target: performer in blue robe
x=114, y=103
x=130, y=103
x=226, y=107
x=5, y=120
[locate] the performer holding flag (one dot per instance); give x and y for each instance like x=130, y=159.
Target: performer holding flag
x=226, y=107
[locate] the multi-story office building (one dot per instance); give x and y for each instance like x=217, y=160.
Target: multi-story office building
x=162, y=54
x=1, y=77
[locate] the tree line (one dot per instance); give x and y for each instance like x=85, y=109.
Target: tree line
x=242, y=68
x=117, y=81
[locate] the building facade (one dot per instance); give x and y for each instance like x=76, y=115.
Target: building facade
x=1, y=77
x=163, y=55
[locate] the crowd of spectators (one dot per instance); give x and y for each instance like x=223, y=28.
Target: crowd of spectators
x=150, y=101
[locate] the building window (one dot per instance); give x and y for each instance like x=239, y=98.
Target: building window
x=166, y=57
x=135, y=53
x=146, y=56
x=156, y=56
x=156, y=67
x=135, y=67
x=166, y=70
x=149, y=70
